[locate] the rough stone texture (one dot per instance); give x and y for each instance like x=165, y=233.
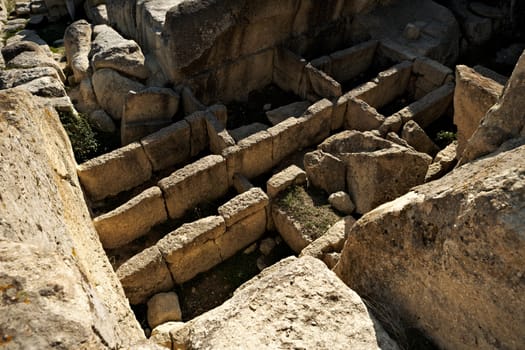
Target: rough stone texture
x=199, y=132
x=292, y=175
x=131, y=220
x=112, y=89
x=14, y=49
x=146, y=109
x=77, y=43
x=243, y=205
x=296, y=109
x=101, y=121
x=284, y=136
x=341, y=201
x=44, y=87
x=309, y=308
x=289, y=229
x=168, y=146
x=444, y=161
x=57, y=286
x=374, y=178
x=161, y=334
x=191, y=249
x=114, y=172
x=219, y=137
x=331, y=242
x=163, y=307
x=247, y=130
x=448, y=256
x=14, y=77
x=349, y=63
x=144, y=275
x=29, y=59
x=361, y=116
x=251, y=157
x=206, y=179
x=418, y=138
x=325, y=171
x=473, y=97
x=111, y=50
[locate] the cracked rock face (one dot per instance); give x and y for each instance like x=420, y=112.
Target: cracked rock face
x=295, y=304
x=447, y=257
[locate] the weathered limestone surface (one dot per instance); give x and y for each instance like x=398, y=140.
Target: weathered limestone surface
x=132, y=219
x=77, y=43
x=144, y=275
x=309, y=308
x=114, y=172
x=205, y=179
x=293, y=175
x=447, y=257
x=112, y=89
x=473, y=97
x=163, y=307
x=57, y=286
x=504, y=121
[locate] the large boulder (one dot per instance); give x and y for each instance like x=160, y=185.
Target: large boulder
x=111, y=50
x=57, y=287
x=447, y=257
x=112, y=90
x=473, y=96
x=295, y=304
x=505, y=120
x=77, y=43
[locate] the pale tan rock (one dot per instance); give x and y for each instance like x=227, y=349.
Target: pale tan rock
x=444, y=161
x=88, y=100
x=219, y=137
x=361, y=116
x=163, y=307
x=300, y=296
x=131, y=220
x=290, y=229
x=241, y=183
x=191, y=249
x=251, y=157
x=416, y=137
x=325, y=171
x=28, y=59
x=473, y=97
x=77, y=44
x=322, y=84
x=347, y=64
x=459, y=240
x=13, y=77
x=351, y=141
x=342, y=202
x=243, y=205
x=111, y=50
x=288, y=69
x=57, y=282
x=168, y=146
x=199, y=132
x=144, y=275
x=112, y=89
x=161, y=334
x=292, y=175
x=203, y=180
x=315, y=124
x=101, y=121
x=330, y=242
x=284, y=139
x=44, y=87
x=114, y=172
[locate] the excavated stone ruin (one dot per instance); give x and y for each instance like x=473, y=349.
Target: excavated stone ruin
x=236, y=134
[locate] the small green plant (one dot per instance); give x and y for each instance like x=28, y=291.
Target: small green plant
x=83, y=139
x=444, y=137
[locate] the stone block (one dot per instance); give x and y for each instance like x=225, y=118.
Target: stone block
x=247, y=130
x=252, y=156
x=241, y=183
x=115, y=172
x=296, y=109
x=418, y=138
x=150, y=104
x=332, y=241
x=339, y=113
x=361, y=116
x=322, y=84
x=431, y=70
x=220, y=112
x=199, y=132
x=168, y=146
x=392, y=83
x=144, y=275
x=190, y=104
x=289, y=229
x=315, y=124
x=349, y=63
x=242, y=233
x=243, y=205
x=218, y=136
x=293, y=175
x=206, y=179
x=325, y=171
x=284, y=139
x=131, y=132
x=163, y=307
x=191, y=249
x=131, y=220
